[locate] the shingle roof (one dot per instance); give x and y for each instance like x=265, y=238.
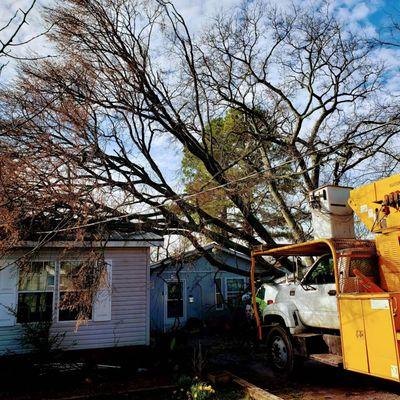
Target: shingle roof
x=195, y=252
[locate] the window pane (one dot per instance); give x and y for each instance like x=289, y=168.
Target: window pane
x=322, y=273
x=175, y=309
x=34, y=307
x=175, y=300
x=261, y=293
x=234, y=299
x=175, y=291
x=235, y=285
x=39, y=278
x=67, y=271
x=67, y=314
x=235, y=289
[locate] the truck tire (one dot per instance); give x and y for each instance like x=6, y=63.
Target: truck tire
x=280, y=353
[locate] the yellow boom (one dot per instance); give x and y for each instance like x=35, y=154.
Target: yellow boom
x=378, y=204
x=378, y=207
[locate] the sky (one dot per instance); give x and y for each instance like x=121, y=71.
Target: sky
x=370, y=17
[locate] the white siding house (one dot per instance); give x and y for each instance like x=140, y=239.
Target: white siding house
x=120, y=312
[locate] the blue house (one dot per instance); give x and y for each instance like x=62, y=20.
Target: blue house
x=191, y=288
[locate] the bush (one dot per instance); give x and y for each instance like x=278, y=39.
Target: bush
x=38, y=338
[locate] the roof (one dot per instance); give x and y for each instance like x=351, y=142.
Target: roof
x=114, y=239
x=193, y=253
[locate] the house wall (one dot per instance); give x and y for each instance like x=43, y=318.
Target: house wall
x=129, y=324
x=198, y=278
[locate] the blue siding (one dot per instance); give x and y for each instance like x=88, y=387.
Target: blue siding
x=198, y=277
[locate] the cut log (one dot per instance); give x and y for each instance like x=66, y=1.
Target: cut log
x=329, y=359
x=254, y=392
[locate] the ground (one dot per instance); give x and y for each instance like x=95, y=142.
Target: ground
x=157, y=375
x=313, y=381
x=319, y=382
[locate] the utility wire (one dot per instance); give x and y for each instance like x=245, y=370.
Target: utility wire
x=181, y=197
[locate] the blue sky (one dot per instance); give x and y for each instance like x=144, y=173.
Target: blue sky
x=369, y=17
x=383, y=11
x=371, y=14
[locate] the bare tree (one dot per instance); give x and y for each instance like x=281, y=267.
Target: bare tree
x=34, y=204
x=130, y=75
x=9, y=35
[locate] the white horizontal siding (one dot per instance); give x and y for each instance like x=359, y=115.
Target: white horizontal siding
x=129, y=323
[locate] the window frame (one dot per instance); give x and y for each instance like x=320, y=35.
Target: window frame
x=218, y=306
x=55, y=291
x=317, y=263
x=226, y=287
x=183, y=283
x=57, y=310
x=54, y=305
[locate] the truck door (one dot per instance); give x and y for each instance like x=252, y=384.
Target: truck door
x=315, y=297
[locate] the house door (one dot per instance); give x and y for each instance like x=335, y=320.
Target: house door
x=175, y=303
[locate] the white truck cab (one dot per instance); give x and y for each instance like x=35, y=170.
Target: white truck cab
x=307, y=303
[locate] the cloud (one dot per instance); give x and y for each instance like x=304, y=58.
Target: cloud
x=30, y=33
x=361, y=11
x=354, y=13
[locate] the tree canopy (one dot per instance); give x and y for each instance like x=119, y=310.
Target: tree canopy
x=266, y=105
x=238, y=152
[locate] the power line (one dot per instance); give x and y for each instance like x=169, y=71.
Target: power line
x=192, y=195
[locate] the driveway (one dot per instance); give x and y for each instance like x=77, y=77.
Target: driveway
x=313, y=381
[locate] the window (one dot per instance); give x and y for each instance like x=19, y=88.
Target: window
x=174, y=300
x=37, y=297
x=68, y=292
x=36, y=292
x=261, y=293
x=234, y=291
x=219, y=302
x=322, y=273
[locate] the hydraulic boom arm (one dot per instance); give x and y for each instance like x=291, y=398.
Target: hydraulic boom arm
x=378, y=204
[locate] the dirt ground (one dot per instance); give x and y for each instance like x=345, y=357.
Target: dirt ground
x=313, y=381
x=319, y=382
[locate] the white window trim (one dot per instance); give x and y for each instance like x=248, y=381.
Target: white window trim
x=54, y=291
x=14, y=318
x=183, y=318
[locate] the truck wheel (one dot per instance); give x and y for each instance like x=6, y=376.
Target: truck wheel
x=280, y=352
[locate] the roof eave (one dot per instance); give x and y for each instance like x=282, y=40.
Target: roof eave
x=87, y=244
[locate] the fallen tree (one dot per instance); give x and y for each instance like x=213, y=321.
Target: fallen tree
x=131, y=86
